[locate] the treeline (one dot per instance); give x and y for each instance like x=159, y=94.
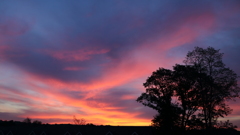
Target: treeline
x=25, y=122
x=29, y=122
x=192, y=96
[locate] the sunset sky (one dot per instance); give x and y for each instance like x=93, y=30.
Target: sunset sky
x=60, y=58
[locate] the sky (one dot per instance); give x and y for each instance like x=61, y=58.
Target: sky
x=89, y=59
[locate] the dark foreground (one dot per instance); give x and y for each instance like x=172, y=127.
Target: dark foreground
x=214, y=132
x=199, y=132
x=75, y=130
x=101, y=130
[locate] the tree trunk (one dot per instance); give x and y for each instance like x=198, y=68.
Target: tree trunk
x=183, y=118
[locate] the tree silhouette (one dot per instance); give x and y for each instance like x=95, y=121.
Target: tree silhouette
x=186, y=87
x=159, y=91
x=201, y=86
x=81, y=121
x=218, y=86
x=226, y=125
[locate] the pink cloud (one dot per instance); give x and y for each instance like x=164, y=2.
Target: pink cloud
x=127, y=97
x=13, y=26
x=191, y=28
x=57, y=101
x=7, y=51
x=3, y=49
x=75, y=55
x=153, y=54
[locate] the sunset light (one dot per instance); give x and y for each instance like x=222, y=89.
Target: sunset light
x=89, y=59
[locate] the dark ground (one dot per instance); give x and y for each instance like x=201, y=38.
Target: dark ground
x=19, y=128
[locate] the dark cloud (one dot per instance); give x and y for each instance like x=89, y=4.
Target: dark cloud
x=15, y=117
x=117, y=27
x=10, y=116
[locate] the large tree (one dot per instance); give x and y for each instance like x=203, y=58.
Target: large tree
x=219, y=85
x=203, y=84
x=186, y=91
x=159, y=91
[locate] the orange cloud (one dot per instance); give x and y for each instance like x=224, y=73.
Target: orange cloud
x=46, y=98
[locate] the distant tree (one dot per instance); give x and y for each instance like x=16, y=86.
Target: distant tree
x=79, y=121
x=218, y=86
x=27, y=120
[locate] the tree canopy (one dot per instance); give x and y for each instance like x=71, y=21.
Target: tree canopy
x=193, y=95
